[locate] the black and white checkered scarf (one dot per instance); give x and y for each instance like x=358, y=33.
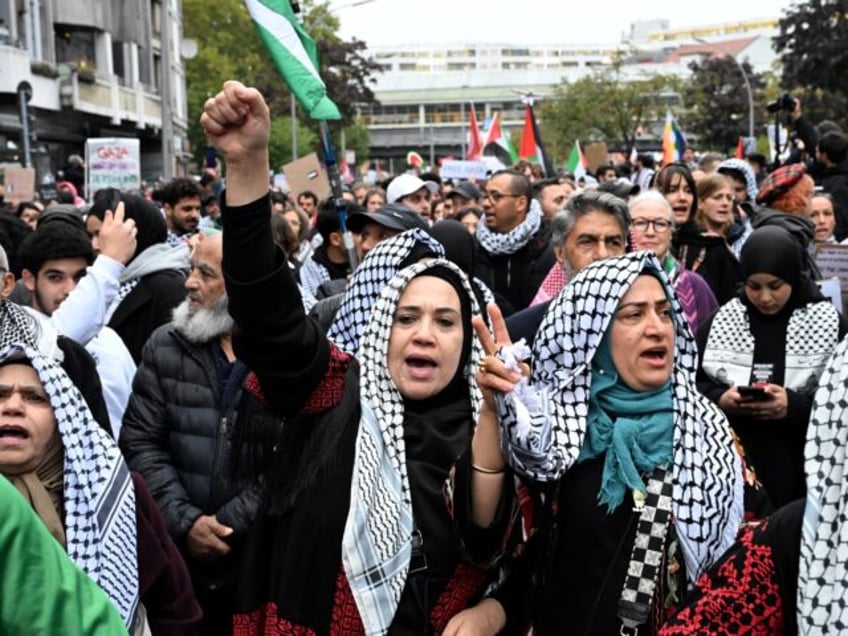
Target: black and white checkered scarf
x=514, y=240
x=369, y=280
x=18, y=327
x=823, y=565
x=377, y=540
x=99, y=500
x=707, y=471
x=811, y=335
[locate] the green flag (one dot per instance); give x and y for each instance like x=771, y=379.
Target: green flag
x=294, y=53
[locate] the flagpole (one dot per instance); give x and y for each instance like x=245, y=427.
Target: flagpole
x=337, y=192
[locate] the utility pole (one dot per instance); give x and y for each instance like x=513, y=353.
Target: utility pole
x=165, y=92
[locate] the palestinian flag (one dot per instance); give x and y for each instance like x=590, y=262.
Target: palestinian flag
x=577, y=162
x=294, y=53
x=497, y=144
x=531, y=142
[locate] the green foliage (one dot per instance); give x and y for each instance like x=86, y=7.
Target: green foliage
x=814, y=58
x=229, y=48
x=603, y=106
x=280, y=144
x=717, y=103
x=357, y=138
x=811, y=44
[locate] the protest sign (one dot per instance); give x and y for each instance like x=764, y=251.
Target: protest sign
x=112, y=162
x=463, y=170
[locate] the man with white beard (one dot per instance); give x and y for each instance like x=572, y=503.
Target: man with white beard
x=177, y=433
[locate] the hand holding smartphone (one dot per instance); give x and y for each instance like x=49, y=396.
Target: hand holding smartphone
x=754, y=393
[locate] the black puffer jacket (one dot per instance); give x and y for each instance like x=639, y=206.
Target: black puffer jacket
x=515, y=278
x=176, y=433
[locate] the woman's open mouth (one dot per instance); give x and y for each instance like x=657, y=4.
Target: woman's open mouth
x=13, y=435
x=656, y=356
x=421, y=367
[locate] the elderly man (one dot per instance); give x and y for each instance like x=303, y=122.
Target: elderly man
x=177, y=433
x=514, y=252
x=592, y=227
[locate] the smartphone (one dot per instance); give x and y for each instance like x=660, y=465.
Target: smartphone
x=211, y=157
x=754, y=393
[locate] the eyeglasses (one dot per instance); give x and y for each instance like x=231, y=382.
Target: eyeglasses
x=660, y=225
x=497, y=196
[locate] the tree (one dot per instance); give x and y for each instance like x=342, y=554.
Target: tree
x=717, y=103
x=811, y=45
x=814, y=60
x=604, y=106
x=229, y=47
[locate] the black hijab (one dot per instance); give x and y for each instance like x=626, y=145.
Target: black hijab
x=150, y=223
x=773, y=250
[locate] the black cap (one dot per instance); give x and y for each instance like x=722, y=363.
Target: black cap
x=392, y=215
x=466, y=190
x=62, y=212
x=621, y=187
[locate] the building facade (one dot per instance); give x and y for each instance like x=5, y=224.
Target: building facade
x=97, y=68
x=426, y=91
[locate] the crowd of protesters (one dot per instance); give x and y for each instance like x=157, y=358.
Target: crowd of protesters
x=605, y=404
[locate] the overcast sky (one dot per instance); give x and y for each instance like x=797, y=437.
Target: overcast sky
x=392, y=22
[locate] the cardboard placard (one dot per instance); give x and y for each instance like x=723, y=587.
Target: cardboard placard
x=19, y=184
x=832, y=261
x=112, y=162
x=307, y=173
x=596, y=155
x=463, y=170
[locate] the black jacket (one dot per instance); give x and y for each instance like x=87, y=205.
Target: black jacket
x=176, y=433
x=710, y=257
x=515, y=278
x=147, y=307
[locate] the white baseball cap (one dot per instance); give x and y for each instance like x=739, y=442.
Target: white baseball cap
x=405, y=184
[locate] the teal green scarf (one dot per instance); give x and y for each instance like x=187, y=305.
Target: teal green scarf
x=634, y=428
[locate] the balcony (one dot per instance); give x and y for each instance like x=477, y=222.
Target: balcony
x=103, y=96
x=108, y=98
x=15, y=68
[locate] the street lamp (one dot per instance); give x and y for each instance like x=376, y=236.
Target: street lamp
x=744, y=78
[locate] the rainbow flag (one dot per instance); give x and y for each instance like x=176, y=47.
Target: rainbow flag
x=673, y=140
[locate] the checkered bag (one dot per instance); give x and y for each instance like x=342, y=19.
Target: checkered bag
x=646, y=559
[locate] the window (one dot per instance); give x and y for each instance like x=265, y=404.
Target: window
x=74, y=45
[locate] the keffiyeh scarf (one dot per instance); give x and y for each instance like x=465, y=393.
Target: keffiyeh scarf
x=811, y=335
x=823, y=565
x=99, y=500
x=514, y=240
x=18, y=327
x=707, y=470
x=369, y=280
x=377, y=540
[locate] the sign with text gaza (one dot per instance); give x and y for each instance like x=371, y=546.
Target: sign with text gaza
x=112, y=162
